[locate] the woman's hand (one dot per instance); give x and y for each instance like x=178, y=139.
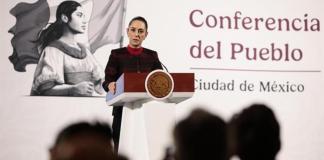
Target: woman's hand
x=82, y=89
x=112, y=87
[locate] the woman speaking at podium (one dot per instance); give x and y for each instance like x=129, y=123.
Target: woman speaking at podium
x=133, y=58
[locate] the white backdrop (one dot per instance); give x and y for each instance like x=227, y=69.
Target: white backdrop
x=29, y=124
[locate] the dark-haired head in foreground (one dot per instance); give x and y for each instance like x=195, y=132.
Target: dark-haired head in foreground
x=201, y=136
x=83, y=141
x=256, y=133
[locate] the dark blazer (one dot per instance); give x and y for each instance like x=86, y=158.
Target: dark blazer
x=120, y=61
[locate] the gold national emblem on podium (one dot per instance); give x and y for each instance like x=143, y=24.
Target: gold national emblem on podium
x=159, y=84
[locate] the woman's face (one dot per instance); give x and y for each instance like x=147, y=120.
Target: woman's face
x=136, y=33
x=78, y=21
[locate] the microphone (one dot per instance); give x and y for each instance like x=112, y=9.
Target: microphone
x=163, y=66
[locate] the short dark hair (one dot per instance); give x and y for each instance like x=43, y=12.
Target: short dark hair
x=257, y=133
x=101, y=129
x=139, y=18
x=201, y=135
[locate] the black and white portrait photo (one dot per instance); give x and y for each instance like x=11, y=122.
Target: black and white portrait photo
x=66, y=65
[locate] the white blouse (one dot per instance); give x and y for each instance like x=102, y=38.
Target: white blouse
x=56, y=67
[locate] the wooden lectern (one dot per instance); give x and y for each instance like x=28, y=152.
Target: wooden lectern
x=147, y=124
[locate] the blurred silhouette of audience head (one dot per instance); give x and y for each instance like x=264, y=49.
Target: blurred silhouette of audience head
x=200, y=136
x=83, y=141
x=255, y=133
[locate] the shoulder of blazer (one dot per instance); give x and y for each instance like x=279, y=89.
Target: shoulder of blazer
x=119, y=50
x=149, y=51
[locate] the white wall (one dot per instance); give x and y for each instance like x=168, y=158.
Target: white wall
x=29, y=124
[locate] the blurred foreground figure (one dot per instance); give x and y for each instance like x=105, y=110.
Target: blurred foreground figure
x=83, y=141
x=201, y=136
x=255, y=133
